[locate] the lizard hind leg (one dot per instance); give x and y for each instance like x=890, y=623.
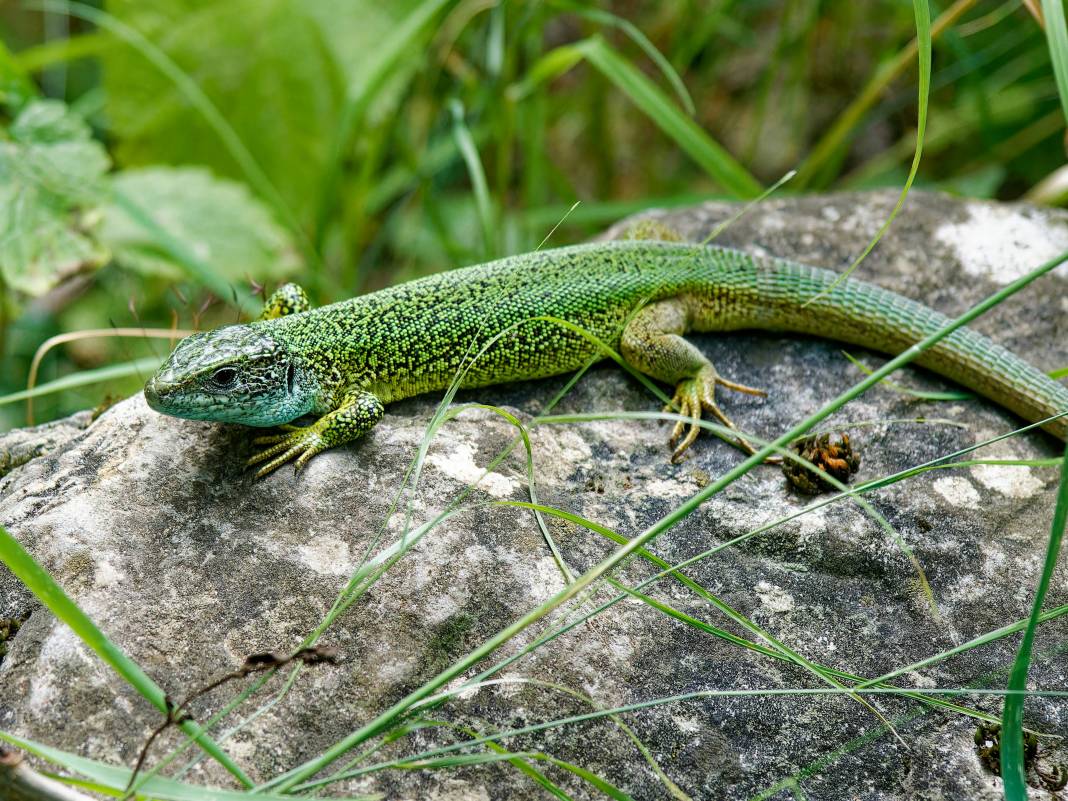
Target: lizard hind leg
x=652, y=342
x=287, y=299
x=650, y=228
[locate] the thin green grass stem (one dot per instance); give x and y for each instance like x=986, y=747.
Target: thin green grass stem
x=1013, y=771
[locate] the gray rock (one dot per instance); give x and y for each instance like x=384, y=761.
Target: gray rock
x=154, y=527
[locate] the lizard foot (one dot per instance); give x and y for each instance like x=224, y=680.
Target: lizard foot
x=694, y=395
x=355, y=415
x=300, y=443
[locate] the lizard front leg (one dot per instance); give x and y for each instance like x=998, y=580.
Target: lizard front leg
x=652, y=342
x=358, y=413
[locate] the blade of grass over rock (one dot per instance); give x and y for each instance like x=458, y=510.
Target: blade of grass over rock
x=111, y=779
x=1062, y=373
x=44, y=587
x=97, y=375
x=766, y=692
x=477, y=681
x=786, y=453
x=386, y=718
x=673, y=570
x=727, y=223
x=534, y=774
x=664, y=779
x=916, y=393
x=1057, y=38
x=198, y=100
x=931, y=698
x=923, y=47
x=1013, y=771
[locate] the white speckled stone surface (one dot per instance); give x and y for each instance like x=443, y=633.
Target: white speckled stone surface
x=154, y=527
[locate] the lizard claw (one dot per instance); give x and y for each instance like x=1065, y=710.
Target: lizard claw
x=696, y=395
x=300, y=444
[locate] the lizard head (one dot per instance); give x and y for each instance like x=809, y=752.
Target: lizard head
x=236, y=374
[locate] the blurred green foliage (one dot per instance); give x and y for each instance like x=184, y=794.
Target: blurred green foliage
x=157, y=154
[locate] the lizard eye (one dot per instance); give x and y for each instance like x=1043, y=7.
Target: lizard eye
x=224, y=377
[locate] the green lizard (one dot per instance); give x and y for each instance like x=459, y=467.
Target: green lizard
x=346, y=361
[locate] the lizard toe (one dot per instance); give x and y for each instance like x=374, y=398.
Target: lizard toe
x=286, y=447
x=687, y=401
x=270, y=439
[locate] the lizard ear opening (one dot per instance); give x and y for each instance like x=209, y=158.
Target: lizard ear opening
x=291, y=377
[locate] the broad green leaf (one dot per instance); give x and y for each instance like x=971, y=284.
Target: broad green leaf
x=218, y=220
x=51, y=180
x=281, y=86
x=282, y=107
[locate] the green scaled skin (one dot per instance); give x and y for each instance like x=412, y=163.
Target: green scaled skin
x=346, y=361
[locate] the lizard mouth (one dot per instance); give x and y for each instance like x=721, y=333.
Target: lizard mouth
x=152, y=395
x=159, y=395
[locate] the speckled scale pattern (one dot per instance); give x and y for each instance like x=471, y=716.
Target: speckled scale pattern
x=413, y=338
x=346, y=360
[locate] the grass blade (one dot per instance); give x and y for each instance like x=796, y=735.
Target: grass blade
x=44, y=587
x=465, y=143
x=85, y=377
x=608, y=19
x=402, y=43
x=827, y=150
x=648, y=97
x=1057, y=37
x=114, y=779
x=923, y=47
x=916, y=393
x=1012, y=750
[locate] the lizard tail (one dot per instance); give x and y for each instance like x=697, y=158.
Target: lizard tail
x=863, y=314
